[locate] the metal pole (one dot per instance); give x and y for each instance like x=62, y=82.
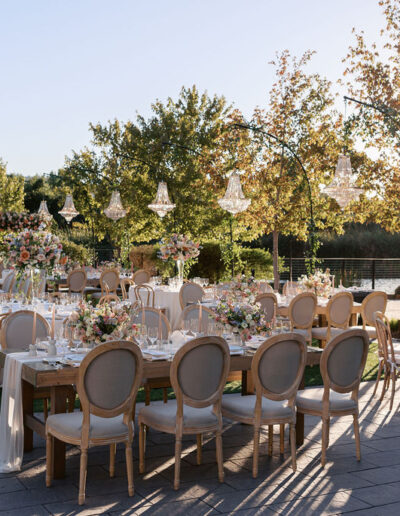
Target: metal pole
x=373, y=274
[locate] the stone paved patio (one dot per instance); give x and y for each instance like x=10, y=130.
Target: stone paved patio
x=369, y=487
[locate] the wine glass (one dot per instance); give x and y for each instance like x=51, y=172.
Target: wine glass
x=152, y=333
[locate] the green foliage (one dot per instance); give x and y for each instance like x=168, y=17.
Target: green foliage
x=77, y=253
x=11, y=190
x=258, y=260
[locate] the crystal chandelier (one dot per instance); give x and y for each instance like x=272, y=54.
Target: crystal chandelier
x=343, y=188
x=69, y=211
x=115, y=210
x=162, y=205
x=234, y=200
x=44, y=213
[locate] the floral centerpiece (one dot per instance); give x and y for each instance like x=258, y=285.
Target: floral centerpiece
x=31, y=249
x=244, y=289
x=180, y=249
x=102, y=323
x=320, y=282
x=244, y=318
x=16, y=222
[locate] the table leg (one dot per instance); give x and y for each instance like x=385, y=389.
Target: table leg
x=27, y=404
x=300, y=421
x=58, y=400
x=247, y=383
x=353, y=319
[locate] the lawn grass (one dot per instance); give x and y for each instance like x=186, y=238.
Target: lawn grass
x=312, y=378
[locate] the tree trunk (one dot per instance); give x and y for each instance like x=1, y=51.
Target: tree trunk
x=275, y=258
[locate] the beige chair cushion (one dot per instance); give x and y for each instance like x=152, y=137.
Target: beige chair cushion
x=371, y=330
x=243, y=407
x=320, y=333
x=305, y=333
x=164, y=414
x=311, y=399
x=100, y=427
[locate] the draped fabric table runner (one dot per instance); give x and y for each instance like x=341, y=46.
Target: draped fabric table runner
x=11, y=415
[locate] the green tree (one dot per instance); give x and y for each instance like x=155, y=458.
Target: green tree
x=11, y=190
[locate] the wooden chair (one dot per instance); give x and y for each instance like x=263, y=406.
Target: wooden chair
x=141, y=276
x=374, y=302
x=109, y=283
x=269, y=305
x=8, y=283
x=291, y=285
x=151, y=319
x=144, y=294
x=338, y=313
x=108, y=298
x=76, y=281
x=125, y=285
x=265, y=287
x=301, y=314
x=277, y=370
x=342, y=364
x=16, y=335
x=192, y=312
x=109, y=378
x=198, y=375
x=389, y=359
x=190, y=293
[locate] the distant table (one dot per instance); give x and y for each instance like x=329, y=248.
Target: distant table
x=38, y=374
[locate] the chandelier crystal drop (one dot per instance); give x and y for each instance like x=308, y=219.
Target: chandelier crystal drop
x=342, y=187
x=162, y=205
x=234, y=200
x=115, y=210
x=44, y=213
x=69, y=211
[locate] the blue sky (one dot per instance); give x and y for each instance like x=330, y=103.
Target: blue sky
x=65, y=63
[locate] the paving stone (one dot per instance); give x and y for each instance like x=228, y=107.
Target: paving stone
x=8, y=485
x=383, y=475
x=37, y=510
x=333, y=503
x=379, y=495
x=98, y=505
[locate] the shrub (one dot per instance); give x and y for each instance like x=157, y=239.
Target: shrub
x=77, y=253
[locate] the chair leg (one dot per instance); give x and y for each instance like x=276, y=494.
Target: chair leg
x=49, y=459
x=165, y=395
x=220, y=460
x=386, y=378
x=199, y=449
x=293, y=445
x=378, y=378
x=129, y=468
x=256, y=445
x=325, y=432
x=393, y=375
x=270, y=438
x=45, y=409
x=141, y=447
x=282, y=439
x=113, y=448
x=82, y=476
x=357, y=436
x=146, y=395
x=178, y=450
x=71, y=402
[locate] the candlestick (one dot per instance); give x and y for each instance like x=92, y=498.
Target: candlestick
x=34, y=329
x=159, y=325
x=53, y=321
x=200, y=315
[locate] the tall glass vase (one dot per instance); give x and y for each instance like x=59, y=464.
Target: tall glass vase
x=180, y=265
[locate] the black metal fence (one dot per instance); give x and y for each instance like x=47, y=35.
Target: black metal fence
x=368, y=272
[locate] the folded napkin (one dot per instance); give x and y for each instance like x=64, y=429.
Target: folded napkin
x=154, y=354
x=73, y=360
x=255, y=342
x=178, y=338
x=235, y=350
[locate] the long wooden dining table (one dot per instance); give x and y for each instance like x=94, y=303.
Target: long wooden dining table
x=39, y=374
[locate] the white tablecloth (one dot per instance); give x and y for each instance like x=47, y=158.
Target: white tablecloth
x=165, y=298
x=11, y=415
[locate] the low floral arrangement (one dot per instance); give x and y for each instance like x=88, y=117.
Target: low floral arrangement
x=178, y=247
x=32, y=249
x=13, y=222
x=245, y=318
x=102, y=323
x=244, y=289
x=108, y=264
x=320, y=282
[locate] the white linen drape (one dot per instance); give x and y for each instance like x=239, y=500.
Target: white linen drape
x=11, y=414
